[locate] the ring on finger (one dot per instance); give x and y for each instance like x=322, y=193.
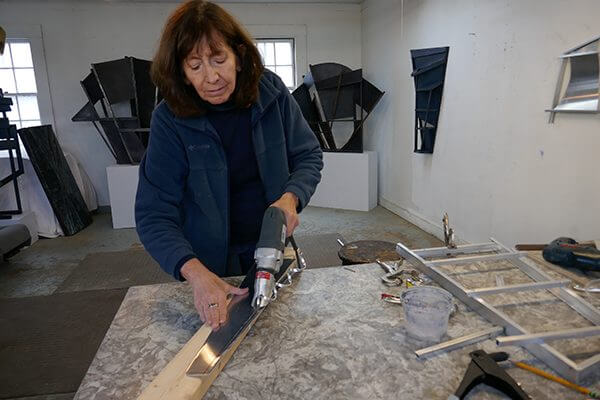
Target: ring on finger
x=213, y=305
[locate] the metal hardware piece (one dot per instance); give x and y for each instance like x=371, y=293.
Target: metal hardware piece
x=448, y=233
x=543, y=351
x=460, y=341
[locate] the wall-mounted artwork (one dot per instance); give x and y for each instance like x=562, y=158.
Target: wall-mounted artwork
x=429, y=72
x=578, y=87
x=336, y=101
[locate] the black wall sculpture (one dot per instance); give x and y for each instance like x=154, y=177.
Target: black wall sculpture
x=121, y=98
x=334, y=94
x=9, y=141
x=429, y=72
x=56, y=178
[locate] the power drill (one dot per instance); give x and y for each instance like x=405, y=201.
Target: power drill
x=568, y=253
x=269, y=255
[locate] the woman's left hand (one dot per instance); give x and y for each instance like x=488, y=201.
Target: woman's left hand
x=288, y=203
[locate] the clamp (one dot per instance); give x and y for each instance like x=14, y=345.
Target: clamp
x=484, y=369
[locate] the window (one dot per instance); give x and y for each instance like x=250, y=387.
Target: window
x=17, y=80
x=279, y=55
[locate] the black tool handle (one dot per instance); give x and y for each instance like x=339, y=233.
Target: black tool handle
x=273, y=230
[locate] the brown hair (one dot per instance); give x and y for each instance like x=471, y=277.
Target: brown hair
x=185, y=28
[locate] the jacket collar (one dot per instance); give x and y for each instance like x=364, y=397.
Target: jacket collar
x=267, y=93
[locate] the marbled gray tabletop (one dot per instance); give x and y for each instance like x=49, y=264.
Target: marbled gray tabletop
x=328, y=336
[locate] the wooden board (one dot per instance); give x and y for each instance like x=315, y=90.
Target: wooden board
x=172, y=383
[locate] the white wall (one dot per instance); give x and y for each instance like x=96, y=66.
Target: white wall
x=499, y=169
x=75, y=34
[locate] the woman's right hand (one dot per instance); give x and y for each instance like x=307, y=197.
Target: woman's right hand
x=210, y=292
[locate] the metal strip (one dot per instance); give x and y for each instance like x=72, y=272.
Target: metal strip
x=460, y=341
x=554, y=335
x=517, y=288
x=586, y=367
x=556, y=360
x=470, y=260
x=241, y=314
x=461, y=249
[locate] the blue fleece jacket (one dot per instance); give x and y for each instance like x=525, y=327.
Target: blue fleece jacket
x=181, y=207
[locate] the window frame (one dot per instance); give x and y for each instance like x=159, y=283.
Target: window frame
x=295, y=32
x=293, y=65
x=33, y=35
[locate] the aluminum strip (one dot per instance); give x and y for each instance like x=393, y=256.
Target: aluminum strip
x=554, y=335
x=474, y=259
x=589, y=364
x=522, y=287
x=461, y=249
x=460, y=341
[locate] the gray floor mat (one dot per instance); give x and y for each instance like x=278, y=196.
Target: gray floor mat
x=320, y=250
x=48, y=342
x=113, y=270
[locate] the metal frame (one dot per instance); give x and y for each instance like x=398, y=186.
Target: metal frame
x=473, y=298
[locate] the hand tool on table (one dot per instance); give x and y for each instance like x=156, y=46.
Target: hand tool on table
x=564, y=382
x=567, y=252
x=394, y=274
x=244, y=310
x=484, y=369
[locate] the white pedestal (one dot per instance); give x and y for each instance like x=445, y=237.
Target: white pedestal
x=27, y=219
x=349, y=181
x=122, y=187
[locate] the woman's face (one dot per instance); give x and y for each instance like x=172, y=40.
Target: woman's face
x=212, y=74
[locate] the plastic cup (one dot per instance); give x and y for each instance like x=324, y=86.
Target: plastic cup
x=426, y=312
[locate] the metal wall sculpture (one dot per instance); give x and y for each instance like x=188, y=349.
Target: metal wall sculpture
x=336, y=102
x=56, y=178
x=10, y=142
x=578, y=87
x=429, y=72
x=121, y=98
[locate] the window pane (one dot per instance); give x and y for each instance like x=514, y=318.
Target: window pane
x=283, y=51
x=286, y=74
x=261, y=50
x=28, y=106
x=269, y=54
x=13, y=115
x=5, y=58
x=25, y=80
x=21, y=55
x=7, y=81
x=27, y=124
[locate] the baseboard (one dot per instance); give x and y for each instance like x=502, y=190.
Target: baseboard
x=435, y=229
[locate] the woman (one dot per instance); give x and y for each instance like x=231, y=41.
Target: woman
x=227, y=142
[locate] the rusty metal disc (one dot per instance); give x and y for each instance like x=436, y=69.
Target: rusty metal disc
x=367, y=251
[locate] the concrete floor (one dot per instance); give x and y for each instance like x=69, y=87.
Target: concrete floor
x=41, y=268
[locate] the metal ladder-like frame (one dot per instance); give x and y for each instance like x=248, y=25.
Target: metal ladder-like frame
x=474, y=299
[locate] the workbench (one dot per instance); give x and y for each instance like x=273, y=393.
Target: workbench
x=328, y=336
